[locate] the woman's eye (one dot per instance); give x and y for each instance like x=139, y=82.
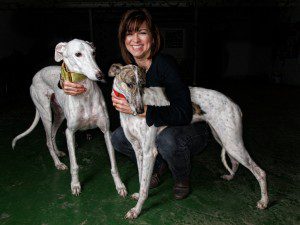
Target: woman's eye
x=78, y=54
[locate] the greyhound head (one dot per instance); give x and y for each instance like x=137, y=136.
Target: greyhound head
x=79, y=57
x=129, y=81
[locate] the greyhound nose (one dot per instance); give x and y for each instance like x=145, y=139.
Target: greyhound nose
x=140, y=110
x=100, y=76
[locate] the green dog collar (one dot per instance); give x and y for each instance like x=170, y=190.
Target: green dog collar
x=71, y=76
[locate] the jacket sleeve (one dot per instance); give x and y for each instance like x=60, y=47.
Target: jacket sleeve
x=180, y=110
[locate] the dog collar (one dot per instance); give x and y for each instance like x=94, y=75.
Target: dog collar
x=118, y=94
x=71, y=76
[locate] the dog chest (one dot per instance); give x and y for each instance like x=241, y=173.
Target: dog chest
x=136, y=127
x=84, y=112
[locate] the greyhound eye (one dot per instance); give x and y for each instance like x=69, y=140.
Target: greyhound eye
x=94, y=53
x=78, y=54
x=130, y=85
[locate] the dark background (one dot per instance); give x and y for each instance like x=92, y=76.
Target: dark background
x=213, y=41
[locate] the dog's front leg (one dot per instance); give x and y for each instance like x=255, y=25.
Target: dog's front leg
x=149, y=154
x=138, y=155
x=75, y=184
x=147, y=169
x=139, y=160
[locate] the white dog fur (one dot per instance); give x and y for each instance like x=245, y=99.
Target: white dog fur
x=85, y=111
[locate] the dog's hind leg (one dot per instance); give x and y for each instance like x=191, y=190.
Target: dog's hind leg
x=223, y=156
x=232, y=141
x=234, y=164
x=240, y=154
x=57, y=120
x=42, y=104
x=120, y=187
x=56, y=124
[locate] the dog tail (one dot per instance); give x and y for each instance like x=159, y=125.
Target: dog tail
x=223, y=157
x=33, y=125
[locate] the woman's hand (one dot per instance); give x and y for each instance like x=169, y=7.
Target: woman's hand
x=73, y=88
x=121, y=104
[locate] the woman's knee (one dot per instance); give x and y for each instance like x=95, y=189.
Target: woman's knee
x=118, y=139
x=174, y=141
x=121, y=144
x=166, y=143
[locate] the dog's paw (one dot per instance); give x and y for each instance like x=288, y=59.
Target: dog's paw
x=76, y=188
x=61, y=166
x=60, y=154
x=122, y=191
x=227, y=177
x=262, y=204
x=132, y=214
x=135, y=196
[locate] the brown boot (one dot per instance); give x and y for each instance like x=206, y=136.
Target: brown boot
x=155, y=178
x=181, y=189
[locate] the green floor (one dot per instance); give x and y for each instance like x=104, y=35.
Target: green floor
x=33, y=192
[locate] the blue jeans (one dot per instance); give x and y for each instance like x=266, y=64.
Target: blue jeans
x=175, y=145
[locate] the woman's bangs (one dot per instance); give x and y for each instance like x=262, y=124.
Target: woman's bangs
x=134, y=24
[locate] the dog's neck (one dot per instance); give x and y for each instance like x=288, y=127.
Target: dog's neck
x=71, y=76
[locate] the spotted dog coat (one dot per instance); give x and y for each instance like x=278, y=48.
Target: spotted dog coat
x=221, y=113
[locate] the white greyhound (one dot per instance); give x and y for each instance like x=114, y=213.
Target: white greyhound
x=222, y=114
x=85, y=111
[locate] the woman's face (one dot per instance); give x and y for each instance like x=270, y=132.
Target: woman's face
x=138, y=43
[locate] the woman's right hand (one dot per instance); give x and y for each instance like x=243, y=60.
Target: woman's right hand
x=71, y=88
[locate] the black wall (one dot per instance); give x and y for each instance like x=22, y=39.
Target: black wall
x=232, y=42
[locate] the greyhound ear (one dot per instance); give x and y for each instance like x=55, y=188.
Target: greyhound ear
x=90, y=44
x=114, y=69
x=59, y=49
x=143, y=75
x=143, y=70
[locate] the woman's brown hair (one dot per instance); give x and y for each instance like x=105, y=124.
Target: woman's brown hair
x=131, y=21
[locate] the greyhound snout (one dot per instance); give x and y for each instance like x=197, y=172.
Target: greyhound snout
x=100, y=76
x=140, y=110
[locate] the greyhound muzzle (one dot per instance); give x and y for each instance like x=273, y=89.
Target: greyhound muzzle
x=100, y=76
x=140, y=110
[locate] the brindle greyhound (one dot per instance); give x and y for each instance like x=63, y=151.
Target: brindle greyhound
x=82, y=112
x=222, y=114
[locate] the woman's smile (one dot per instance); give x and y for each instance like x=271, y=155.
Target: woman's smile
x=137, y=47
x=138, y=43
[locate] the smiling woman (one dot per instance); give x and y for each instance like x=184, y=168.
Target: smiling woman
x=138, y=36
x=140, y=44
